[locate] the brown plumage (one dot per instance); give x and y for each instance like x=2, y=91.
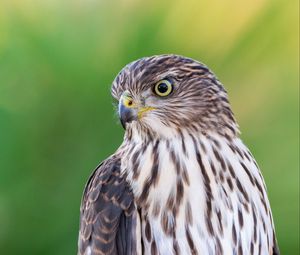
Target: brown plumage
x=107, y=212
x=182, y=182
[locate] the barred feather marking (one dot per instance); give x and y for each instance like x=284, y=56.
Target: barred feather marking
x=224, y=214
x=183, y=182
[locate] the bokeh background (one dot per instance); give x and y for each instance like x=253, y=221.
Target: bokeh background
x=57, y=121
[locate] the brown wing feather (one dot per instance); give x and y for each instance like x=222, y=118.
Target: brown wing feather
x=107, y=220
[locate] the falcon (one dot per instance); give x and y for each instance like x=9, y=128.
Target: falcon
x=182, y=181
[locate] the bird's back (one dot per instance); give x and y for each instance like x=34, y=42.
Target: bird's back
x=107, y=214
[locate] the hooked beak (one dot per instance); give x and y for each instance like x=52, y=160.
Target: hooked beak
x=127, y=109
x=130, y=110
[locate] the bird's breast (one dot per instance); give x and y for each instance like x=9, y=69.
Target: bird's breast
x=195, y=196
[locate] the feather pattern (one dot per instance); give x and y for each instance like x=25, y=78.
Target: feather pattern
x=220, y=207
x=108, y=215
x=182, y=182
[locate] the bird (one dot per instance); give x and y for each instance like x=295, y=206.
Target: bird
x=182, y=181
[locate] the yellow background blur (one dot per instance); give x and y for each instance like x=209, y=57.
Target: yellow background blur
x=57, y=61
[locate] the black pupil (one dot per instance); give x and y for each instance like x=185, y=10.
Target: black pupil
x=162, y=87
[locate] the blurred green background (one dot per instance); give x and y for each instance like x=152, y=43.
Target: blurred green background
x=57, y=121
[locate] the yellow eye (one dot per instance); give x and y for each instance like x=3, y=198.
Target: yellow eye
x=163, y=88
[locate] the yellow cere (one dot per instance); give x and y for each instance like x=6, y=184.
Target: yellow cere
x=127, y=101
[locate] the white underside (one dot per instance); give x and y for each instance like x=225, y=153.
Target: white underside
x=195, y=195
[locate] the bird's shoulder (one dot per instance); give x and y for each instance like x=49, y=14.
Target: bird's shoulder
x=107, y=215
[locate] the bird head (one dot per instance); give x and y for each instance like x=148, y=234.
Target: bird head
x=166, y=94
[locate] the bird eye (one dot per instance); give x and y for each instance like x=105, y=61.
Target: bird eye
x=163, y=88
